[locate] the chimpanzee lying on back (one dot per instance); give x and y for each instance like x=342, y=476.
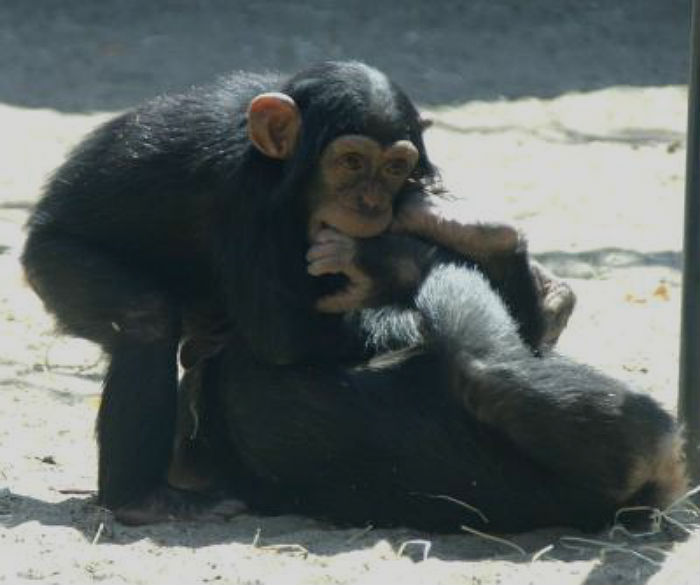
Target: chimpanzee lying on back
x=453, y=420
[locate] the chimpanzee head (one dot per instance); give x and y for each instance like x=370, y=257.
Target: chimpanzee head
x=350, y=139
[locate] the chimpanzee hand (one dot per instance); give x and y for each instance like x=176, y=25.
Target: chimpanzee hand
x=558, y=302
x=332, y=252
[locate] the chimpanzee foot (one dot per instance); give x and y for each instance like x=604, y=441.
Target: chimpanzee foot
x=165, y=504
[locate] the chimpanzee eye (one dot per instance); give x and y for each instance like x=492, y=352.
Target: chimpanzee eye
x=351, y=161
x=397, y=168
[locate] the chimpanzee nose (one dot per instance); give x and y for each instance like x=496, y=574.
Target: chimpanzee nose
x=371, y=202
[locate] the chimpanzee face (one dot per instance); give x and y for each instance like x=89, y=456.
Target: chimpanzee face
x=356, y=178
x=355, y=184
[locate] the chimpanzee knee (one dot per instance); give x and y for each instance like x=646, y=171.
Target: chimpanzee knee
x=95, y=296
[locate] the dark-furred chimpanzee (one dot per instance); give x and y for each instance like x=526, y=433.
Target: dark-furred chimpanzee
x=453, y=422
x=195, y=211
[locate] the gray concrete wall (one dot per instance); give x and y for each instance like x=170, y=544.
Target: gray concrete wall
x=82, y=55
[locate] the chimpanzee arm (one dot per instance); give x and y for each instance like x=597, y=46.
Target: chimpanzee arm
x=435, y=217
x=387, y=271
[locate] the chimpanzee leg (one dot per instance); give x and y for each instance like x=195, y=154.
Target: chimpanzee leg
x=591, y=428
x=96, y=298
x=92, y=295
x=136, y=421
x=586, y=426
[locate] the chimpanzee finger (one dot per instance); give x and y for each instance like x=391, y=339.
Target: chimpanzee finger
x=328, y=265
x=323, y=266
x=317, y=251
x=331, y=235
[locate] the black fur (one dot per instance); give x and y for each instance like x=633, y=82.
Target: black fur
x=166, y=220
x=453, y=422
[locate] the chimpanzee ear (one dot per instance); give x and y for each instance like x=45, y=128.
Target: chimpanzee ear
x=274, y=122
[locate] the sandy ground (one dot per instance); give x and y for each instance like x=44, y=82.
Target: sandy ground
x=596, y=179
x=591, y=169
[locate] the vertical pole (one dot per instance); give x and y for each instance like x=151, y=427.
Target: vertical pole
x=689, y=375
